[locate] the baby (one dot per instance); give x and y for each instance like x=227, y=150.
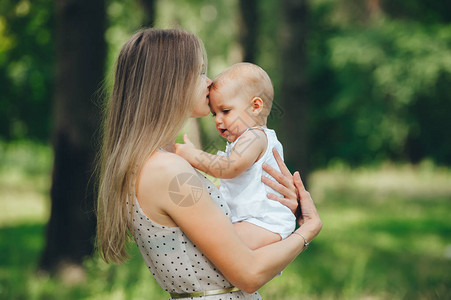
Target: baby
x=240, y=100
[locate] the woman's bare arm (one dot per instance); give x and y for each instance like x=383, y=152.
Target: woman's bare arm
x=207, y=227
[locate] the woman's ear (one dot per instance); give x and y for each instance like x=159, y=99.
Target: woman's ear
x=257, y=105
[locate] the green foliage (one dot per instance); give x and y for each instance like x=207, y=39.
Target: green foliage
x=26, y=68
x=386, y=235
x=215, y=22
x=25, y=169
x=379, y=75
x=376, y=86
x=124, y=18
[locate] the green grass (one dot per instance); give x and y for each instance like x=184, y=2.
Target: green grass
x=386, y=235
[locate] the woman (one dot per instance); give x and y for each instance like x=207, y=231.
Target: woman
x=175, y=215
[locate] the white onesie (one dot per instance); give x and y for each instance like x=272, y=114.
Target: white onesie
x=246, y=194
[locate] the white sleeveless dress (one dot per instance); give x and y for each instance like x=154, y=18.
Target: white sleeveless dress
x=246, y=194
x=175, y=262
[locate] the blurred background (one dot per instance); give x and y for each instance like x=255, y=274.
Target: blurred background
x=362, y=104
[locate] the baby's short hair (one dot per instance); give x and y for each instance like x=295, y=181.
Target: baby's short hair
x=250, y=79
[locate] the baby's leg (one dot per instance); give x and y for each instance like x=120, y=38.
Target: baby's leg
x=255, y=236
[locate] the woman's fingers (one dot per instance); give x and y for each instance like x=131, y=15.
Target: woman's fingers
x=282, y=179
x=310, y=218
x=298, y=181
x=304, y=195
x=288, y=193
x=284, y=184
x=292, y=205
x=283, y=168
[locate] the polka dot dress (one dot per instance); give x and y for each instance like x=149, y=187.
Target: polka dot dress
x=174, y=261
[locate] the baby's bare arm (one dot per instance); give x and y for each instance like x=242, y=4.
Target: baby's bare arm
x=254, y=236
x=245, y=153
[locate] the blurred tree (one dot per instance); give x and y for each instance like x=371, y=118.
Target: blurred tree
x=293, y=85
x=378, y=70
x=426, y=12
x=80, y=59
x=248, y=30
x=26, y=69
x=149, y=12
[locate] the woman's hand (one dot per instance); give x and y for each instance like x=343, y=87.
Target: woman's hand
x=284, y=185
x=296, y=197
x=309, y=220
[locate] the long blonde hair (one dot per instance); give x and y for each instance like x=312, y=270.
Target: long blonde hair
x=156, y=82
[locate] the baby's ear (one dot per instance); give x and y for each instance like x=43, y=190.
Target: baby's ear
x=257, y=105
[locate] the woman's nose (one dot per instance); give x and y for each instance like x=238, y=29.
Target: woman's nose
x=208, y=82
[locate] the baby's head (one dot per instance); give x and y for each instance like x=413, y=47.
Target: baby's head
x=240, y=97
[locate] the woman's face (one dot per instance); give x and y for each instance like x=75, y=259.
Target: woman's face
x=201, y=105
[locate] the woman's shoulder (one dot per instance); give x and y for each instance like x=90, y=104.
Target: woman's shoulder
x=162, y=166
x=153, y=181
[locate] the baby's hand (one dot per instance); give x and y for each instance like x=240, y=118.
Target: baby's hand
x=185, y=150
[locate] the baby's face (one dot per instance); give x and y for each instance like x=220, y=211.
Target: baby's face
x=232, y=111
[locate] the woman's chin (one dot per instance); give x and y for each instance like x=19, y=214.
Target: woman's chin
x=200, y=113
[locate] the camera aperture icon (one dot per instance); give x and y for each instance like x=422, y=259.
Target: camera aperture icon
x=185, y=189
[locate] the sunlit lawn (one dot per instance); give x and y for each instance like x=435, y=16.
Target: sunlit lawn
x=386, y=235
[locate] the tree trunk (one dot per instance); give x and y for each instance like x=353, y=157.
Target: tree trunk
x=248, y=29
x=293, y=90
x=80, y=50
x=149, y=9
